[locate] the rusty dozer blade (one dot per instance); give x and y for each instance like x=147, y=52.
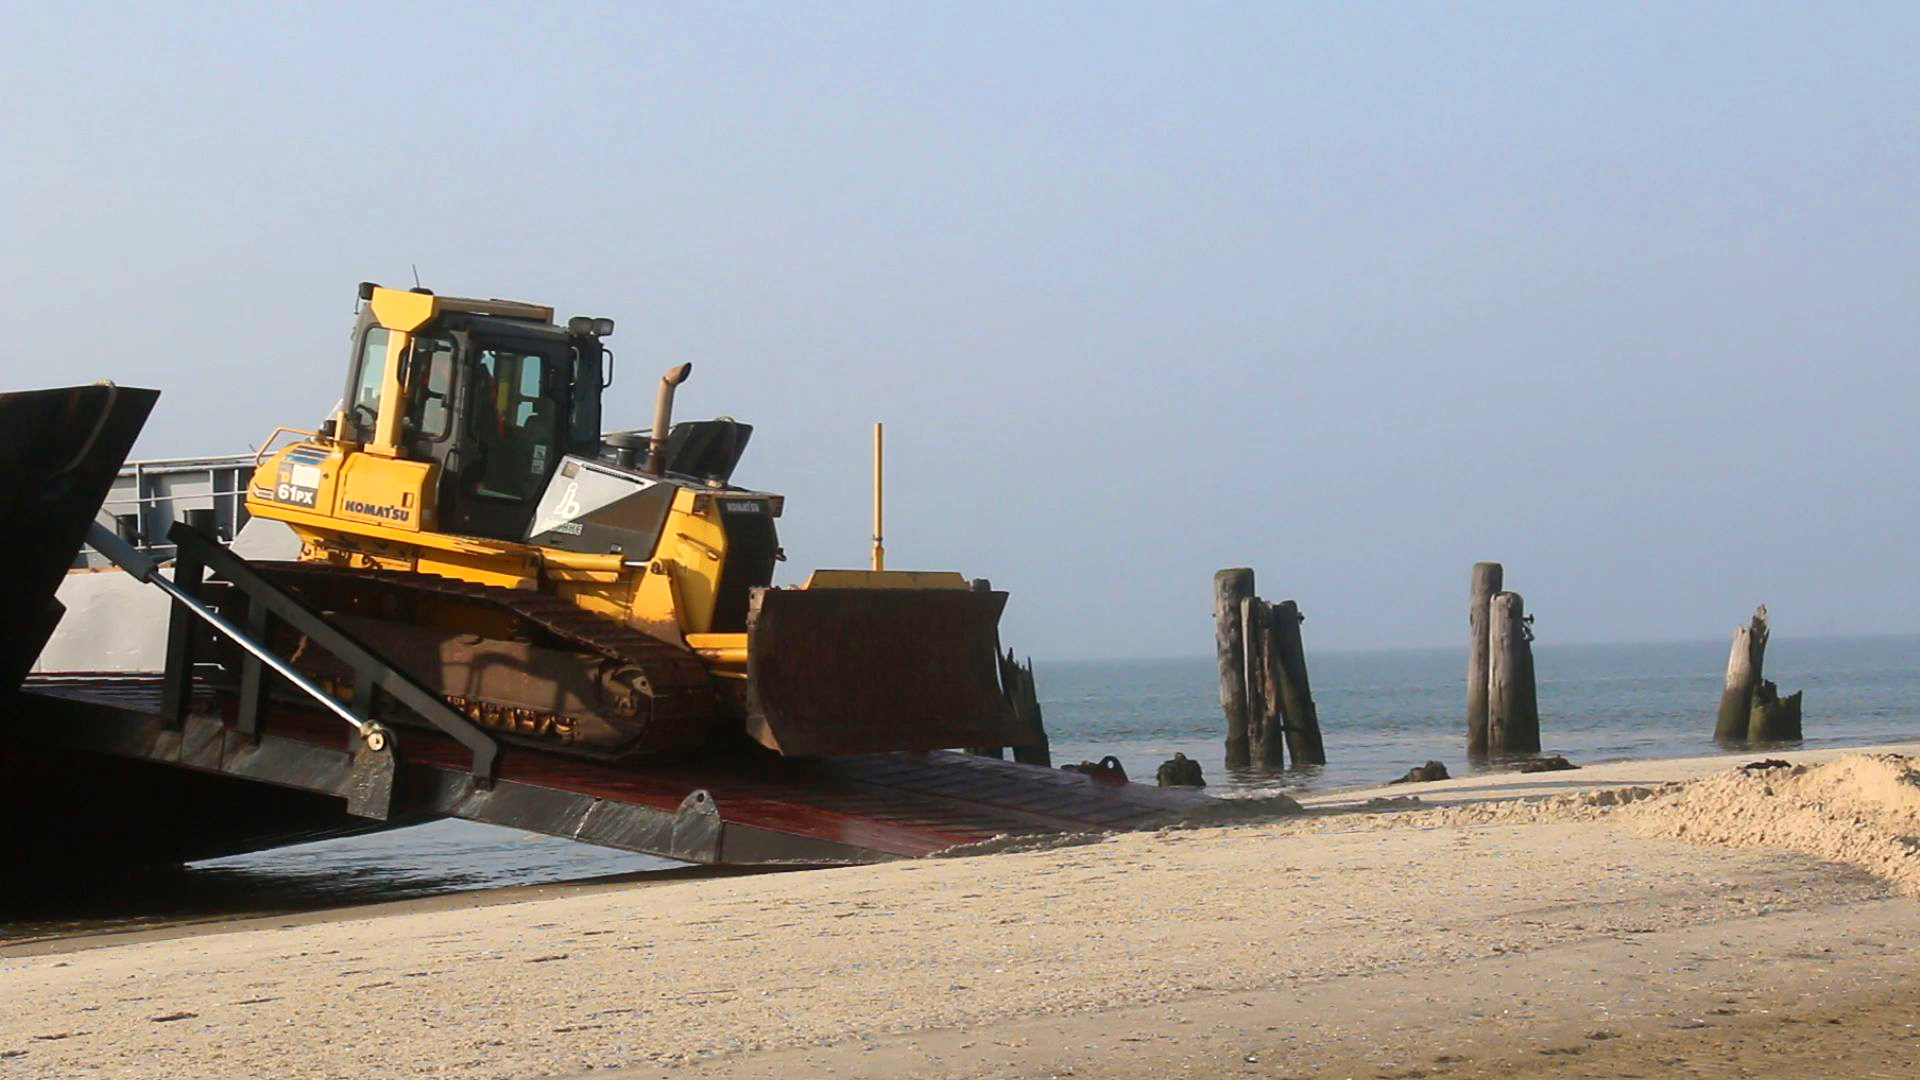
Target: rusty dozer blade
x=864, y=670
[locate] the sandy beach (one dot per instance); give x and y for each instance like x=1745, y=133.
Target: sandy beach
x=1640, y=918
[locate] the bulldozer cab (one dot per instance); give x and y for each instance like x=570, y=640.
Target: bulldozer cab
x=496, y=400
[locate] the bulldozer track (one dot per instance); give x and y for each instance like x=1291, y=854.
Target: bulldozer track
x=676, y=682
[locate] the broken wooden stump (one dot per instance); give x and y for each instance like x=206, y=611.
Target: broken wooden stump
x=1751, y=708
x=1016, y=679
x=1181, y=772
x=1513, y=703
x=1774, y=718
x=1481, y=589
x=1420, y=774
x=1231, y=588
x=1017, y=685
x=1743, y=677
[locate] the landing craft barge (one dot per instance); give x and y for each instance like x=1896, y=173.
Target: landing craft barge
x=121, y=768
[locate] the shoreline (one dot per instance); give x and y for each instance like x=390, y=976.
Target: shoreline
x=1455, y=791
x=1614, y=773
x=1464, y=925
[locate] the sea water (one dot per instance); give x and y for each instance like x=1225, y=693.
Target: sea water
x=1384, y=712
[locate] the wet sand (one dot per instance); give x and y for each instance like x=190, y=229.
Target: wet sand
x=224, y=912
x=1401, y=940
x=1825, y=992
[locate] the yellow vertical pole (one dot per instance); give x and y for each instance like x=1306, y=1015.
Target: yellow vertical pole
x=879, y=546
x=393, y=405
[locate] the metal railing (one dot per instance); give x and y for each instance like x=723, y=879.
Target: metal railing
x=265, y=604
x=149, y=496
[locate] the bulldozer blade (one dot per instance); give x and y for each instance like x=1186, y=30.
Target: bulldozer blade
x=865, y=670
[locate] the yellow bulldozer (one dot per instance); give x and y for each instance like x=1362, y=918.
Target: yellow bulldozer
x=606, y=595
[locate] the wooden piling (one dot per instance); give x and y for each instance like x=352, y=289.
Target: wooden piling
x=1279, y=745
x=1480, y=592
x=1230, y=588
x=1300, y=718
x=1744, y=666
x=1513, y=705
x=1266, y=746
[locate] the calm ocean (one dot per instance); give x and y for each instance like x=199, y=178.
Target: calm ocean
x=1383, y=712
x=1380, y=712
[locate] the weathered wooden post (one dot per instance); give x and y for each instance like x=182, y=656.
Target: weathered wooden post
x=1264, y=744
x=1513, y=706
x=1480, y=592
x=1280, y=736
x=1230, y=588
x=1743, y=678
x=1751, y=708
x=1297, y=712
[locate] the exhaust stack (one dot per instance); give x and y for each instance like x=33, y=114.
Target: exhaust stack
x=879, y=542
x=663, y=418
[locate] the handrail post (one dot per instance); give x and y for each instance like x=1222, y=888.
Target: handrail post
x=183, y=632
x=254, y=676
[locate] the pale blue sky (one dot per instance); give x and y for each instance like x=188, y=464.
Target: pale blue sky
x=1624, y=296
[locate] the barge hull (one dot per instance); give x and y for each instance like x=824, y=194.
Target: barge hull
x=761, y=811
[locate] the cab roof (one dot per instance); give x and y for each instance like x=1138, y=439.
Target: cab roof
x=408, y=310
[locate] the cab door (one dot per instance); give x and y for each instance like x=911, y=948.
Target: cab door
x=511, y=439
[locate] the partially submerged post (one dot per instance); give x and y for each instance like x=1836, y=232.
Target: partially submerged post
x=1297, y=711
x=1480, y=592
x=1513, y=706
x=1743, y=677
x=1264, y=744
x=1280, y=735
x=1751, y=708
x=1774, y=718
x=1263, y=677
x=1230, y=588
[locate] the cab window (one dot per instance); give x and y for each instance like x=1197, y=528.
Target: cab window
x=429, y=395
x=363, y=408
x=515, y=416
x=584, y=425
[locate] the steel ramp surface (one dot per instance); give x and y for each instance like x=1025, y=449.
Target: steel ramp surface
x=733, y=810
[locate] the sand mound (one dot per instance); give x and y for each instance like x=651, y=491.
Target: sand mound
x=1862, y=810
